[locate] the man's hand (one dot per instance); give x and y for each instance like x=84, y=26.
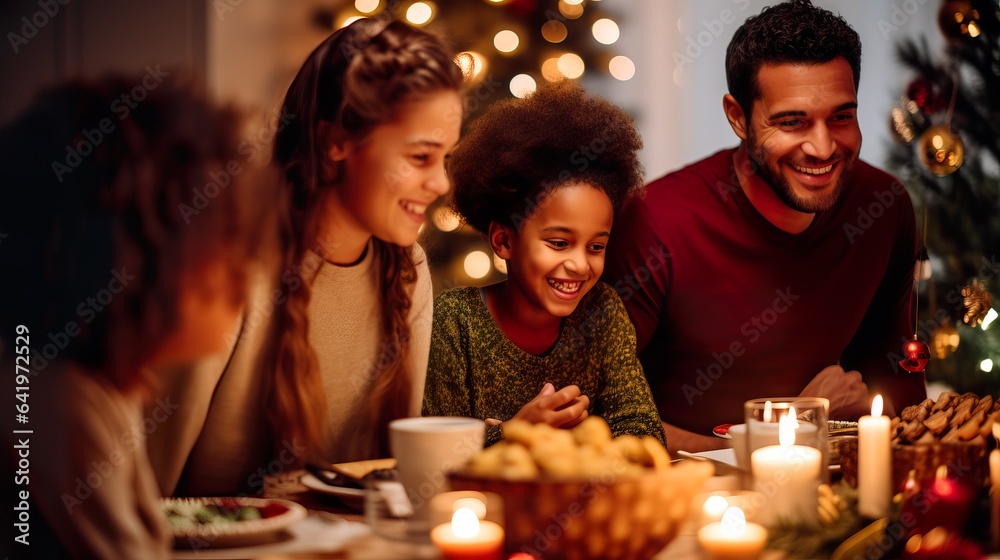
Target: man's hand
x=564, y=408
x=848, y=394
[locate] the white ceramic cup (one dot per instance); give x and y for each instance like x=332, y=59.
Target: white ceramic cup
x=426, y=449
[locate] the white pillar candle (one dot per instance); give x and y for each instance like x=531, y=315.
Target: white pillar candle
x=874, y=463
x=788, y=476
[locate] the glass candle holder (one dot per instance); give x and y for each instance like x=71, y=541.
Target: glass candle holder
x=788, y=450
x=762, y=417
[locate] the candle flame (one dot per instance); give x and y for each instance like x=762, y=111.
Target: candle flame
x=941, y=473
x=767, y=411
x=715, y=506
x=942, y=485
x=465, y=523
x=734, y=522
x=786, y=428
x=472, y=503
x=877, y=406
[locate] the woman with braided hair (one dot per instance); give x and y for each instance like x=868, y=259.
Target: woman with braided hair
x=335, y=345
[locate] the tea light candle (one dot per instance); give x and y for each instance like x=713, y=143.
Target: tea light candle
x=732, y=538
x=874, y=463
x=468, y=538
x=789, y=474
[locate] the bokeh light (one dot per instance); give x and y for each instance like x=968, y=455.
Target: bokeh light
x=622, y=68
x=349, y=20
x=471, y=63
x=477, y=264
x=991, y=316
x=571, y=65
x=420, y=13
x=554, y=31
x=366, y=6
x=521, y=85
x=550, y=70
x=445, y=219
x=506, y=41
x=499, y=264
x=605, y=31
x=571, y=11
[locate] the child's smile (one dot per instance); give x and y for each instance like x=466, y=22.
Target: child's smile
x=558, y=254
x=566, y=289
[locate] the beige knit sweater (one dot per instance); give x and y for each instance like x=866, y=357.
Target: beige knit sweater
x=217, y=441
x=90, y=478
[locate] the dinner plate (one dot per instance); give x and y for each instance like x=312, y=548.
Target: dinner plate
x=722, y=431
x=350, y=496
x=278, y=515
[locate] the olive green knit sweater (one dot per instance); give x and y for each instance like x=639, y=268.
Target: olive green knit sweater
x=476, y=371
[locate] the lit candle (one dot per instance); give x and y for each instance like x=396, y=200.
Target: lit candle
x=874, y=463
x=788, y=474
x=732, y=538
x=468, y=538
x=713, y=509
x=995, y=487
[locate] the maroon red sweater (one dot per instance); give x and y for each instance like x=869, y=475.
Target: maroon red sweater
x=727, y=307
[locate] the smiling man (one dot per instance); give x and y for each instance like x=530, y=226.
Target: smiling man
x=780, y=263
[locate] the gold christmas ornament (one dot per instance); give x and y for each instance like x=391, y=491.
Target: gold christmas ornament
x=977, y=301
x=944, y=341
x=941, y=150
x=959, y=20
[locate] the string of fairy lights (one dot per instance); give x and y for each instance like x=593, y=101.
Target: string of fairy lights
x=510, y=42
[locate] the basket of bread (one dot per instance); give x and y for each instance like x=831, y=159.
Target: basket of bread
x=952, y=431
x=581, y=494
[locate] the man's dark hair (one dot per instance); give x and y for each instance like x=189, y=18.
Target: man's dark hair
x=791, y=32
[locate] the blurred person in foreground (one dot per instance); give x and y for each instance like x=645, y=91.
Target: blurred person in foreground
x=747, y=274
x=106, y=277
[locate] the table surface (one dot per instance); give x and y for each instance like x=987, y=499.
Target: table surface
x=374, y=547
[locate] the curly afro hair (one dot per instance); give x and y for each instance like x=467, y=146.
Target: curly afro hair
x=521, y=149
x=791, y=32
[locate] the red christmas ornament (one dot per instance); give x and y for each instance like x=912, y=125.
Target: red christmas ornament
x=916, y=354
x=925, y=95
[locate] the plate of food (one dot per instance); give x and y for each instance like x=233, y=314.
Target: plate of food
x=228, y=522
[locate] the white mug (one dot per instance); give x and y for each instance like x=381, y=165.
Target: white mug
x=426, y=449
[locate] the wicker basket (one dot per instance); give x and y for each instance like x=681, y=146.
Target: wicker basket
x=608, y=517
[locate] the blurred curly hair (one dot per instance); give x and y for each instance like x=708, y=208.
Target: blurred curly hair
x=119, y=210
x=522, y=149
x=792, y=32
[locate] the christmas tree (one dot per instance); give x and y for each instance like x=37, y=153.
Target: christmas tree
x=948, y=153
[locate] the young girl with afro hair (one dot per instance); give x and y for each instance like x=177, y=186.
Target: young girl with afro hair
x=541, y=178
